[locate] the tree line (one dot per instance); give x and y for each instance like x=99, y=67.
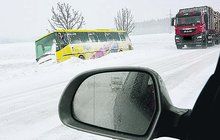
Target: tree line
x=65, y=17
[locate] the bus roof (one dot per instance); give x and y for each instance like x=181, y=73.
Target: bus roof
x=80, y=30
x=88, y=30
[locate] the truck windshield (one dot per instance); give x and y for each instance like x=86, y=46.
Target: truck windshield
x=188, y=20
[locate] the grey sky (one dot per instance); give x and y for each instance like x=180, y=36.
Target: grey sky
x=27, y=19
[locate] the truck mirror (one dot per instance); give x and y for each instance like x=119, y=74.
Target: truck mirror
x=173, y=21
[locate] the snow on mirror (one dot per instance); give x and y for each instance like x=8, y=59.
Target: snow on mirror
x=121, y=101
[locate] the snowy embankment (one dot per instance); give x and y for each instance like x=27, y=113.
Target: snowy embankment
x=30, y=93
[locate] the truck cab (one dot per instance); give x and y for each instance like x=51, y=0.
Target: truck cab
x=194, y=27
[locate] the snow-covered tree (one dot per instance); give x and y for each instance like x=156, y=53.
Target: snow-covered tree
x=125, y=20
x=65, y=17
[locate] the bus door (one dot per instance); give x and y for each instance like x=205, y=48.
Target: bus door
x=63, y=50
x=76, y=44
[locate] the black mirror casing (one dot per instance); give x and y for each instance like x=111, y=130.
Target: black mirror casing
x=166, y=119
x=173, y=21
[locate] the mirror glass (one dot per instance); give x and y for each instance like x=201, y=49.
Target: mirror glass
x=121, y=101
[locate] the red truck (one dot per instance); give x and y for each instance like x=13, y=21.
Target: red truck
x=197, y=27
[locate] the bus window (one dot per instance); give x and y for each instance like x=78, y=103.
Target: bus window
x=122, y=37
x=115, y=36
x=74, y=38
x=101, y=37
x=83, y=36
x=93, y=37
x=109, y=37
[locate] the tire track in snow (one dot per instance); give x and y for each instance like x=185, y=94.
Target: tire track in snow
x=27, y=92
x=182, y=72
x=169, y=64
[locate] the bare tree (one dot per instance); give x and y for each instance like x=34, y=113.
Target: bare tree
x=124, y=20
x=65, y=17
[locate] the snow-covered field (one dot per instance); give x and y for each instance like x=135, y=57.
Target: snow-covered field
x=29, y=93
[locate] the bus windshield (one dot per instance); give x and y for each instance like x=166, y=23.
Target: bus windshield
x=44, y=45
x=188, y=20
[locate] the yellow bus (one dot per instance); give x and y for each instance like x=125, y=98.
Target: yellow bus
x=61, y=45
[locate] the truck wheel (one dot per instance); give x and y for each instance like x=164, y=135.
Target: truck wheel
x=205, y=43
x=213, y=43
x=204, y=46
x=82, y=57
x=179, y=47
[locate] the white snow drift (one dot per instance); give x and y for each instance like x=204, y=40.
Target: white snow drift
x=30, y=92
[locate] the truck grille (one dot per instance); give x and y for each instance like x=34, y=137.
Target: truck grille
x=186, y=31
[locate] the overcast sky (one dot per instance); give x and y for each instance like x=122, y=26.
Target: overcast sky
x=28, y=19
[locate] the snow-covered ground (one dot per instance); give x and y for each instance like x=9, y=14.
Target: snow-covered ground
x=30, y=92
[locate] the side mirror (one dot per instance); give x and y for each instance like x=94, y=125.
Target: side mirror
x=121, y=103
x=173, y=21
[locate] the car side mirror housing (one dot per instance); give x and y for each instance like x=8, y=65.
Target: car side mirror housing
x=173, y=21
x=121, y=103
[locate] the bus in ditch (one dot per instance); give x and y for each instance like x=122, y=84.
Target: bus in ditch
x=61, y=44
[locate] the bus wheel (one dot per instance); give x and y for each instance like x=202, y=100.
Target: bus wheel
x=82, y=57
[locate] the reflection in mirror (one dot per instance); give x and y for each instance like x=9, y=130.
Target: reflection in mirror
x=121, y=101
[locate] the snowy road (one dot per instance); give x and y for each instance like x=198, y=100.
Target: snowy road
x=30, y=93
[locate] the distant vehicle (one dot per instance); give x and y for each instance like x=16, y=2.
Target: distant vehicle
x=197, y=27
x=81, y=43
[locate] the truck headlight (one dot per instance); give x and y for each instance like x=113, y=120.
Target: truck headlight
x=177, y=38
x=199, y=37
